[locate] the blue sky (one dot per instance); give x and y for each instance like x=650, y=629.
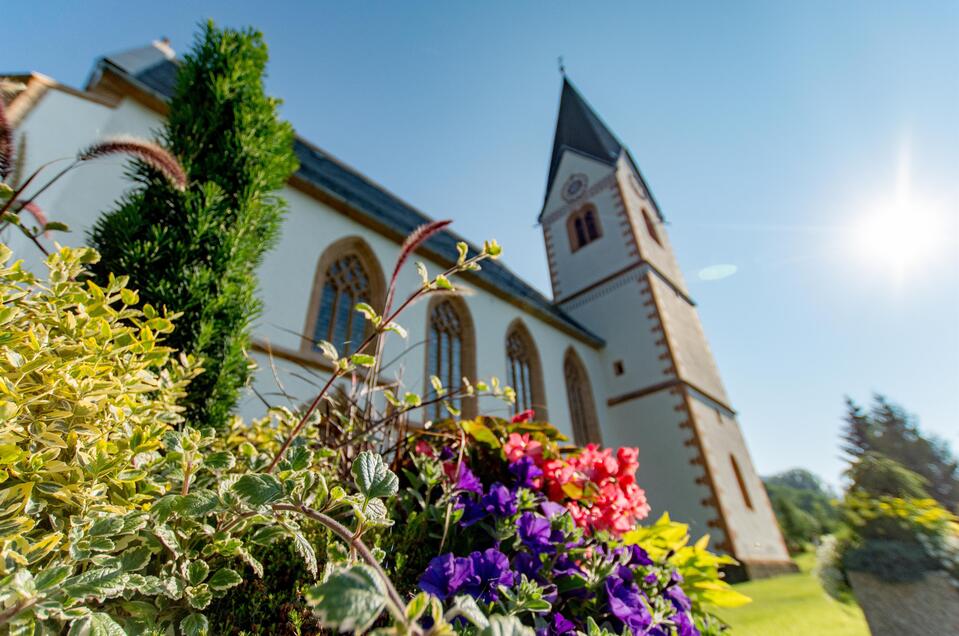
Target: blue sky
x=767, y=131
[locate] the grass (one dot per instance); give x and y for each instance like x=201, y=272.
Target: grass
x=793, y=605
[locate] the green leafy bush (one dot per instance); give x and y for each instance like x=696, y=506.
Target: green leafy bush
x=195, y=251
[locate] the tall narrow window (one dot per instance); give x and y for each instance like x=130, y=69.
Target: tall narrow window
x=523, y=372
x=583, y=227
x=582, y=411
x=742, y=482
x=347, y=284
x=651, y=227
x=346, y=274
x=445, y=343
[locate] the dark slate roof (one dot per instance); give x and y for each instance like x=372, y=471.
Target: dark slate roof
x=342, y=182
x=579, y=128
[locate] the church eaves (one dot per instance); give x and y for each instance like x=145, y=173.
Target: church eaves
x=339, y=183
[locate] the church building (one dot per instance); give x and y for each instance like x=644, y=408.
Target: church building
x=616, y=356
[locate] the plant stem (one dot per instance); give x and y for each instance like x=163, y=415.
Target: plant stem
x=357, y=544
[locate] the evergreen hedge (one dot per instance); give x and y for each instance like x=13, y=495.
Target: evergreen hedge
x=196, y=251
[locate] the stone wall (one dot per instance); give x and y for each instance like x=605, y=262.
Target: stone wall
x=918, y=608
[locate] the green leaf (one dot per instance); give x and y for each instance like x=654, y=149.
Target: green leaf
x=305, y=549
x=223, y=460
x=481, y=433
x=442, y=282
x=197, y=504
x=349, y=601
x=51, y=577
x=224, y=579
x=101, y=583
x=57, y=226
x=106, y=526
x=196, y=572
x=466, y=607
x=328, y=350
x=96, y=624
x=258, y=490
x=362, y=360
x=397, y=329
x=416, y=606
x=133, y=559
x=265, y=535
x=492, y=248
x=368, y=312
x=424, y=274
x=373, y=477
x=129, y=297
x=462, y=249
x=199, y=597
x=195, y=624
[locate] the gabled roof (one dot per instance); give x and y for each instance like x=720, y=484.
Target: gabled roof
x=580, y=129
x=380, y=207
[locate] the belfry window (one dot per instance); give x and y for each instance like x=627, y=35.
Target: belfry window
x=582, y=411
x=523, y=371
x=651, y=227
x=742, y=482
x=583, y=227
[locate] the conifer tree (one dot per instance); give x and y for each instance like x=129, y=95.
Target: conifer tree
x=196, y=251
x=886, y=430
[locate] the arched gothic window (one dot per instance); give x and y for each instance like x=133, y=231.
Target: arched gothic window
x=523, y=371
x=582, y=410
x=347, y=274
x=450, y=351
x=583, y=227
x=651, y=226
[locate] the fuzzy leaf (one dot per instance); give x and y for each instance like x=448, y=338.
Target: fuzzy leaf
x=224, y=579
x=96, y=624
x=506, y=626
x=195, y=624
x=258, y=490
x=196, y=572
x=373, y=477
x=349, y=601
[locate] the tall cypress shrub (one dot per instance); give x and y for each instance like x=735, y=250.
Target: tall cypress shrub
x=196, y=251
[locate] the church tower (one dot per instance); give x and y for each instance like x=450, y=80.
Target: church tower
x=613, y=270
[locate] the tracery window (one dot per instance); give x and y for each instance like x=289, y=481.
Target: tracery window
x=582, y=411
x=523, y=371
x=449, y=350
x=346, y=274
x=583, y=227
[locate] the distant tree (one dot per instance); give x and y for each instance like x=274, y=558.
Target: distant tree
x=196, y=251
x=875, y=475
x=886, y=429
x=803, y=505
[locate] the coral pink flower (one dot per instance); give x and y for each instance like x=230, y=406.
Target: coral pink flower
x=518, y=446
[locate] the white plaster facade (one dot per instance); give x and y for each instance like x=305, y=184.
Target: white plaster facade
x=624, y=287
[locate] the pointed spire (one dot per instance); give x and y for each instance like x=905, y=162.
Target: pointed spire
x=579, y=128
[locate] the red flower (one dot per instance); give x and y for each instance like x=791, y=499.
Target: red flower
x=525, y=416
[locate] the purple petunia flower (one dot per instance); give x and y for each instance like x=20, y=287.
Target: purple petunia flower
x=684, y=625
x=446, y=454
x=490, y=569
x=527, y=564
x=559, y=625
x=445, y=575
x=499, y=501
x=565, y=566
x=551, y=509
x=535, y=533
x=467, y=480
x=626, y=604
x=678, y=597
x=526, y=471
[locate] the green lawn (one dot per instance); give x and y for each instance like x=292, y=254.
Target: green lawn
x=793, y=605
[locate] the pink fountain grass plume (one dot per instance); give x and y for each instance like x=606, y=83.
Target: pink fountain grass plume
x=6, y=143
x=416, y=238
x=152, y=154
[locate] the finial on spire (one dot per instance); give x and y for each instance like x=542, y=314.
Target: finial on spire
x=562, y=66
